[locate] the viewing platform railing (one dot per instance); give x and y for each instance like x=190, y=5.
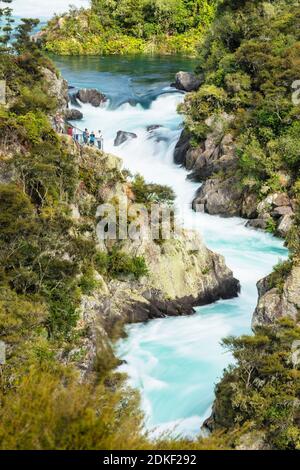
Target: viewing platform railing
x=78, y=136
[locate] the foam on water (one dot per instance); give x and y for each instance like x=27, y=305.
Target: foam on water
x=176, y=362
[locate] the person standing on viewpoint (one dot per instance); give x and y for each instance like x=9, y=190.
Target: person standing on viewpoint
x=85, y=136
x=92, y=138
x=99, y=140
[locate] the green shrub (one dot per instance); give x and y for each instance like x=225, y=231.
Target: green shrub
x=145, y=193
x=279, y=274
x=262, y=389
x=120, y=263
x=32, y=100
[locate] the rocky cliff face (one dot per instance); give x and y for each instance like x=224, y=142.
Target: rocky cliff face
x=58, y=88
x=215, y=163
x=277, y=301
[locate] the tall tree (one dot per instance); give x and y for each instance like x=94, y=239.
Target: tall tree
x=6, y=22
x=23, y=34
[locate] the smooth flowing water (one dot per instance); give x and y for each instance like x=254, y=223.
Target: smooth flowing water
x=175, y=362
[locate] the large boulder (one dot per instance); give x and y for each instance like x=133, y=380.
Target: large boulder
x=217, y=197
x=182, y=147
x=91, y=96
x=73, y=114
x=285, y=224
x=187, y=81
x=123, y=136
x=261, y=224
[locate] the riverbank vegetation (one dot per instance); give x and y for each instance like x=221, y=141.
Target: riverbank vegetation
x=126, y=27
x=249, y=67
x=47, y=264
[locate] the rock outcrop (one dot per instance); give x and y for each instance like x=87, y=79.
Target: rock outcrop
x=278, y=208
x=187, y=81
x=73, y=99
x=278, y=301
x=122, y=137
x=73, y=114
x=214, y=162
x=217, y=197
x=182, y=147
x=91, y=96
x=57, y=88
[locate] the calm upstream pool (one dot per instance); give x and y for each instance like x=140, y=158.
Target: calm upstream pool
x=175, y=362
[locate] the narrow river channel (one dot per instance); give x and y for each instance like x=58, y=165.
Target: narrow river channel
x=175, y=362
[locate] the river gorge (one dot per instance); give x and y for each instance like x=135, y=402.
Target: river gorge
x=173, y=362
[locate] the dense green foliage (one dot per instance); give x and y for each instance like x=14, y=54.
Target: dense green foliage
x=126, y=26
x=151, y=192
x=262, y=391
x=250, y=66
x=48, y=260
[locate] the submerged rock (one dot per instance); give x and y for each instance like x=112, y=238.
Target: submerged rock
x=182, y=147
x=123, y=136
x=153, y=127
x=73, y=100
x=91, y=96
x=187, y=81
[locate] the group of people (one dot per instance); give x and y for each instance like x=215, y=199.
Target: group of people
x=88, y=138
x=92, y=139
